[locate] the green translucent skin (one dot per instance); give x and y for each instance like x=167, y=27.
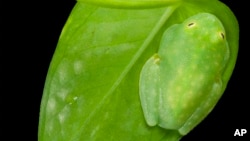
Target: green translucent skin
x=182, y=83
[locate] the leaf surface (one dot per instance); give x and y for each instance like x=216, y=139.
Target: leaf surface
x=91, y=91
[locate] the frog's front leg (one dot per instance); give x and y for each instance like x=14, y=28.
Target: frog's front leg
x=150, y=89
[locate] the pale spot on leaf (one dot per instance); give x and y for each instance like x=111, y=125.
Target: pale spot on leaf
x=78, y=67
x=51, y=105
x=94, y=131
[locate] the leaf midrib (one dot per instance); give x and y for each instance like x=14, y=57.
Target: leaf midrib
x=133, y=61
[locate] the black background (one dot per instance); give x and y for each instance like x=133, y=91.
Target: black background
x=29, y=34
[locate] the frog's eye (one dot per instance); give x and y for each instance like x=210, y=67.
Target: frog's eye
x=222, y=35
x=191, y=24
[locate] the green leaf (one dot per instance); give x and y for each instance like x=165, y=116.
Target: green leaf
x=140, y=4
x=92, y=86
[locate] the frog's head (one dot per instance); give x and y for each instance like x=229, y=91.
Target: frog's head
x=206, y=27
